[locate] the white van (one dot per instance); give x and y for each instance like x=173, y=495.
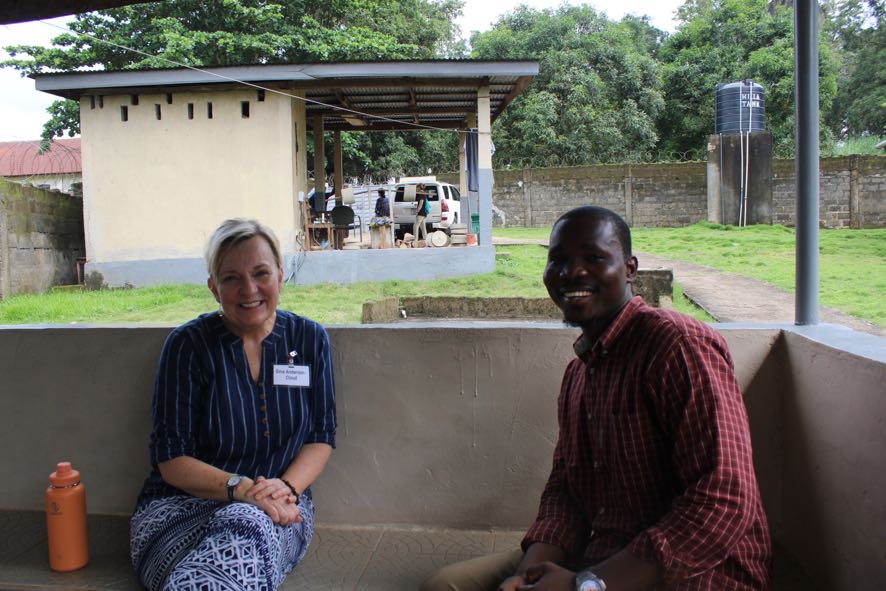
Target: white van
x=445, y=206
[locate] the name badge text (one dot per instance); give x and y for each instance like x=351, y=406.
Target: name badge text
x=292, y=375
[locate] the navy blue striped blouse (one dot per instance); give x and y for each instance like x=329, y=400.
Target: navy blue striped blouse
x=207, y=406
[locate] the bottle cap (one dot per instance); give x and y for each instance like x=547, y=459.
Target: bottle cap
x=64, y=475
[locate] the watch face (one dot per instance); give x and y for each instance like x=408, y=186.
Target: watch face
x=588, y=581
x=234, y=480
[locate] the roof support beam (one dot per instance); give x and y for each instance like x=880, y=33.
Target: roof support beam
x=337, y=167
x=519, y=87
x=393, y=126
x=388, y=111
x=319, y=161
x=484, y=165
x=806, y=100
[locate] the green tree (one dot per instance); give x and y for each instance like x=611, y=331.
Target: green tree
x=231, y=32
x=378, y=156
x=726, y=41
x=857, y=33
x=596, y=97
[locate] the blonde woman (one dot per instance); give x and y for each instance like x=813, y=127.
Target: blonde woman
x=243, y=423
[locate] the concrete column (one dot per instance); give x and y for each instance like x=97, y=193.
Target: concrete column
x=337, y=167
x=629, y=195
x=5, y=286
x=855, y=217
x=714, y=179
x=527, y=197
x=484, y=164
x=299, y=160
x=465, y=206
x=319, y=157
x=462, y=166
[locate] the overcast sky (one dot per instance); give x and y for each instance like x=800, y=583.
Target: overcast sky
x=23, y=109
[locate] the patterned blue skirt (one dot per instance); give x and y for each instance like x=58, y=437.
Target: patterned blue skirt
x=182, y=542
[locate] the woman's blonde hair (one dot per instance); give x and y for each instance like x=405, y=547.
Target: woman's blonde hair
x=232, y=232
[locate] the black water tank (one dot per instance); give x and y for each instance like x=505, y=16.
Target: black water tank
x=741, y=106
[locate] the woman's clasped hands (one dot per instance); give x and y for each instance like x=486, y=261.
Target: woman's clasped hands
x=274, y=497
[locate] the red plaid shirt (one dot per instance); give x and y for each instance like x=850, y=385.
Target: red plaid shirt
x=654, y=454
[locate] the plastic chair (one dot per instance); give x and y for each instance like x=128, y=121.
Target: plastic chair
x=343, y=219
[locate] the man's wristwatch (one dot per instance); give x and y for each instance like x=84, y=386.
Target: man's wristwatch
x=233, y=482
x=588, y=581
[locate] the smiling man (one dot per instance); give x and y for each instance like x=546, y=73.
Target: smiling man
x=652, y=484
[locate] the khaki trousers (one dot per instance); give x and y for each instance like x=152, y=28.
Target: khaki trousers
x=419, y=226
x=484, y=573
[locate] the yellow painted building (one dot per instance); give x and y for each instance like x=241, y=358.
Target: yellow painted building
x=168, y=154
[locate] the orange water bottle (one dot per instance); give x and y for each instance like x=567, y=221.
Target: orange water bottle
x=66, y=519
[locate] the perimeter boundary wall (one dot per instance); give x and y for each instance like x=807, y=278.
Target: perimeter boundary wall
x=852, y=193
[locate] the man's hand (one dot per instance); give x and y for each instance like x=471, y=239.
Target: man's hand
x=547, y=576
x=512, y=583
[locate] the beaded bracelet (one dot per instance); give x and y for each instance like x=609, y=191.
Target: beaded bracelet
x=292, y=489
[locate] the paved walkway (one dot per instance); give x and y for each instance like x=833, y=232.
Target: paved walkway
x=734, y=298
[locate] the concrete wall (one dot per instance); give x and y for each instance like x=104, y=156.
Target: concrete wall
x=733, y=160
x=853, y=193
x=317, y=267
x=834, y=481
x=453, y=424
x=435, y=415
x=644, y=194
x=41, y=238
x=157, y=188
x=66, y=183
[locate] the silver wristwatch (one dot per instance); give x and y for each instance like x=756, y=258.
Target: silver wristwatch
x=588, y=581
x=233, y=482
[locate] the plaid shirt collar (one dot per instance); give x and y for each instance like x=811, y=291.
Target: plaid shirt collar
x=583, y=347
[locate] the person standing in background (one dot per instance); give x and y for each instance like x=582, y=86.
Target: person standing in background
x=422, y=209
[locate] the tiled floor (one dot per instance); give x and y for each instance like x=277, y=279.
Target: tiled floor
x=340, y=558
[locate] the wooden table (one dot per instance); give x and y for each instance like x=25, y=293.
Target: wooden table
x=314, y=231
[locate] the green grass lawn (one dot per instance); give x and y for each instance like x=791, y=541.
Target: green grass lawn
x=852, y=263
x=853, y=279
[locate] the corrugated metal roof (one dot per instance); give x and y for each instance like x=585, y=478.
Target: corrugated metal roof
x=365, y=96
x=24, y=159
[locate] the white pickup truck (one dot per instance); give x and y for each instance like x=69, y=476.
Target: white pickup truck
x=443, y=198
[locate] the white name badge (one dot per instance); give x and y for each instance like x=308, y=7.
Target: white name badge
x=292, y=375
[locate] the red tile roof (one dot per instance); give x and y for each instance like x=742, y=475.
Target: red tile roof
x=24, y=158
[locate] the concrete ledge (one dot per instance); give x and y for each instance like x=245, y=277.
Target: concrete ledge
x=340, y=558
x=382, y=558
x=316, y=267
x=451, y=425
x=381, y=311
x=414, y=264
x=655, y=285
